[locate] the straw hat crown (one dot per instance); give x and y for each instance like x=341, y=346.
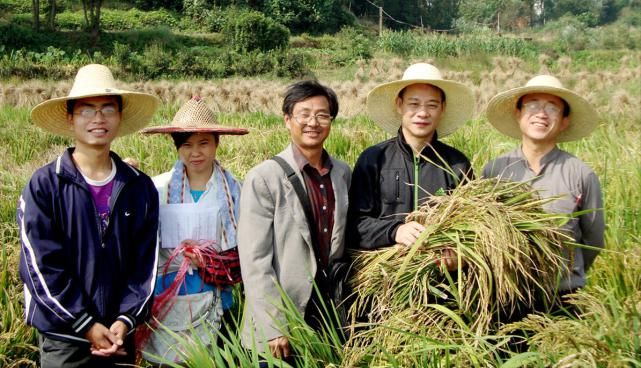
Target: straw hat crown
x=95, y=80
x=195, y=117
x=502, y=107
x=381, y=101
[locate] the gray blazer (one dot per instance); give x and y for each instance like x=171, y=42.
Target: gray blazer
x=275, y=246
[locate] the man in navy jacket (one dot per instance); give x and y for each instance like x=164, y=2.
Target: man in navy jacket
x=88, y=226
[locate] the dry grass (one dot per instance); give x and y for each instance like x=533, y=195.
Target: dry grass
x=254, y=95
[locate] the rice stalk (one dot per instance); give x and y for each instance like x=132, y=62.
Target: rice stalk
x=512, y=256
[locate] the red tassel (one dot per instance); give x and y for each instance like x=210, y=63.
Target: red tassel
x=164, y=301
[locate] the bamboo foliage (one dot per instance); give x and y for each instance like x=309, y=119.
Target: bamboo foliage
x=511, y=252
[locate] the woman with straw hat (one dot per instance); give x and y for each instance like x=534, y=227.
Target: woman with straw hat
x=393, y=178
x=88, y=225
x=542, y=114
x=199, y=203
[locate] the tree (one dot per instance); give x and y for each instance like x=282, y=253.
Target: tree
x=91, y=10
x=36, y=14
x=51, y=17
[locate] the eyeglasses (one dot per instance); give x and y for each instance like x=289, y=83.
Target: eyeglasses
x=89, y=113
x=533, y=107
x=306, y=118
x=429, y=106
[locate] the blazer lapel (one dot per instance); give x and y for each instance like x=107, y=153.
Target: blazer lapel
x=292, y=199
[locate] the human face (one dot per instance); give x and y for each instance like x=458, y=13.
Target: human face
x=310, y=134
x=198, y=153
x=421, y=108
x=541, y=118
x=100, y=129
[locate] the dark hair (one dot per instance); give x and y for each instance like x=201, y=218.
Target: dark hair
x=182, y=137
x=72, y=103
x=303, y=90
x=566, y=106
x=402, y=92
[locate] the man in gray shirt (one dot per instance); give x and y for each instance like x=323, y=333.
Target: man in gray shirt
x=542, y=114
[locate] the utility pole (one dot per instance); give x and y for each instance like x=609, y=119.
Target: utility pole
x=380, y=21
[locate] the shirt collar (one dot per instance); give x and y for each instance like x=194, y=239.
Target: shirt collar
x=546, y=159
x=301, y=161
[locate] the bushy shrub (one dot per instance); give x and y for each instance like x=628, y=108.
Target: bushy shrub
x=351, y=45
x=631, y=17
x=314, y=16
x=252, y=30
x=119, y=20
x=16, y=6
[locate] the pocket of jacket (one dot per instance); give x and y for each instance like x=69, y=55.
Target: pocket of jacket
x=391, y=181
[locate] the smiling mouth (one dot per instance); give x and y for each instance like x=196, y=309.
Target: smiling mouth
x=98, y=131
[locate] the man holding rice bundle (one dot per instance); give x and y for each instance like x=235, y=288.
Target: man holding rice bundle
x=394, y=177
x=542, y=114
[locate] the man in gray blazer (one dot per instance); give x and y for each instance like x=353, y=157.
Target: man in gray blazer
x=276, y=244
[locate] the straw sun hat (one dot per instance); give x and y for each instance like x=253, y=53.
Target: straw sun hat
x=195, y=117
x=502, y=108
x=95, y=80
x=381, y=101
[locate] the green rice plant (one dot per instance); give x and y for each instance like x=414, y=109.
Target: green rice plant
x=512, y=255
x=17, y=341
x=310, y=348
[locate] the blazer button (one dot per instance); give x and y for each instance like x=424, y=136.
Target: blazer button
x=102, y=245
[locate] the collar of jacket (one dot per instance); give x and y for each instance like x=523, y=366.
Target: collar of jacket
x=66, y=168
x=427, y=150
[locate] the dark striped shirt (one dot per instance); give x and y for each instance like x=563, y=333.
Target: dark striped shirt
x=321, y=197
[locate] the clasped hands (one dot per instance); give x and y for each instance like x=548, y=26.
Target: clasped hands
x=408, y=233
x=106, y=342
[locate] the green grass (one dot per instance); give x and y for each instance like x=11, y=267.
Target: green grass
x=612, y=298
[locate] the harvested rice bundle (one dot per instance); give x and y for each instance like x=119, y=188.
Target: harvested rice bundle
x=511, y=251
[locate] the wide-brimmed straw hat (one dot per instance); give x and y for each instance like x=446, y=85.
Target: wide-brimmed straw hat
x=95, y=80
x=381, y=101
x=502, y=108
x=195, y=117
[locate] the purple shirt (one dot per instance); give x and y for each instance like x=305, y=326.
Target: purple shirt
x=101, y=194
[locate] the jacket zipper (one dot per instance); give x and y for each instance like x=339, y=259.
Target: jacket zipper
x=398, y=186
x=416, y=183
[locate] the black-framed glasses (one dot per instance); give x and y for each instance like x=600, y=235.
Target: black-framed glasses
x=321, y=118
x=90, y=112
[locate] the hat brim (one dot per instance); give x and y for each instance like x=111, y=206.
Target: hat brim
x=381, y=104
x=501, y=112
x=217, y=130
x=137, y=110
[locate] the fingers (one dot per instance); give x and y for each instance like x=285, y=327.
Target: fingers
x=285, y=349
x=279, y=347
x=119, y=329
x=407, y=234
x=113, y=350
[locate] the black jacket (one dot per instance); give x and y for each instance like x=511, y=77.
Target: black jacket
x=382, y=194
x=73, y=275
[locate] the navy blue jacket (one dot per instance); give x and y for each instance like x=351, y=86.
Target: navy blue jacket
x=74, y=276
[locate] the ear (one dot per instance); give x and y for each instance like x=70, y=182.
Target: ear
x=288, y=121
x=70, y=121
x=565, y=123
x=517, y=114
x=399, y=103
